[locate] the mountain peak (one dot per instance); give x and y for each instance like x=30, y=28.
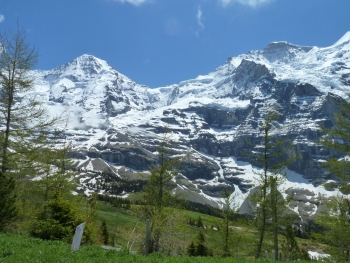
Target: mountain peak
x=343, y=39
x=284, y=46
x=283, y=51
x=85, y=65
x=87, y=58
x=90, y=60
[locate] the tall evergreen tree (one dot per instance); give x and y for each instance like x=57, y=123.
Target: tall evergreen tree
x=228, y=211
x=104, y=232
x=8, y=198
x=337, y=221
x=24, y=121
x=290, y=248
x=200, y=222
x=158, y=192
x=191, y=249
x=338, y=139
x=16, y=60
x=201, y=248
x=274, y=155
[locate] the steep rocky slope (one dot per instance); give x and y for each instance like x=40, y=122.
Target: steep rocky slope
x=115, y=124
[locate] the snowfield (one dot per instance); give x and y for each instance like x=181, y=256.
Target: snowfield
x=115, y=123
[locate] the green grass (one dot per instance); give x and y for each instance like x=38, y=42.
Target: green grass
x=17, y=249
x=243, y=242
x=126, y=227
x=20, y=248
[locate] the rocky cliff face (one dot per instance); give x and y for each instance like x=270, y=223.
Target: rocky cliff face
x=116, y=124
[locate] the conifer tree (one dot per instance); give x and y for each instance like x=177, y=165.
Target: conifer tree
x=201, y=248
x=158, y=193
x=8, y=198
x=200, y=222
x=228, y=211
x=338, y=139
x=337, y=221
x=23, y=118
x=290, y=248
x=274, y=155
x=191, y=249
x=104, y=232
x=16, y=59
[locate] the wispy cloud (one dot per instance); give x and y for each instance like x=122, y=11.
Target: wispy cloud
x=173, y=27
x=134, y=2
x=199, y=17
x=251, y=3
x=2, y=18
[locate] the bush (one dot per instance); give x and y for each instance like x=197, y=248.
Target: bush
x=58, y=221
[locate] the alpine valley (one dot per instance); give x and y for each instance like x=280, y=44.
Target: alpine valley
x=116, y=124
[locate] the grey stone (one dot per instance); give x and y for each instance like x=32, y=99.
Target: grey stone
x=77, y=237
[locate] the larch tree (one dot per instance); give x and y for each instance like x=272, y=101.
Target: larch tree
x=338, y=139
x=274, y=155
x=336, y=224
x=228, y=211
x=336, y=221
x=23, y=118
x=158, y=193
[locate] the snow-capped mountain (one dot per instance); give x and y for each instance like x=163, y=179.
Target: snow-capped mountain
x=115, y=124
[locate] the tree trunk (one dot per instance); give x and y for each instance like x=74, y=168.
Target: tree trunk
x=262, y=234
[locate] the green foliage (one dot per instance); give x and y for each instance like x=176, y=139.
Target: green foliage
x=16, y=59
x=274, y=155
x=14, y=248
x=91, y=207
x=8, y=209
x=338, y=138
x=115, y=185
x=104, y=232
x=24, y=138
x=290, y=248
x=116, y=201
x=200, y=222
x=58, y=221
x=337, y=228
x=201, y=248
x=191, y=249
x=337, y=222
x=191, y=222
x=157, y=192
x=24, y=117
x=51, y=229
x=158, y=195
x=228, y=211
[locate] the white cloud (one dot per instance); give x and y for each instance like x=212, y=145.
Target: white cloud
x=134, y=2
x=251, y=3
x=2, y=18
x=199, y=17
x=173, y=27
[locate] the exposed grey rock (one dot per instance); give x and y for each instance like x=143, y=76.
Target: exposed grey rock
x=118, y=124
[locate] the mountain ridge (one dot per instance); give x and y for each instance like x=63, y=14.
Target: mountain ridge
x=116, y=123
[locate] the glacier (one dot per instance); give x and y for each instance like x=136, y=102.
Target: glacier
x=115, y=124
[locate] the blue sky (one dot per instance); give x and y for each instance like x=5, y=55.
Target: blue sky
x=160, y=42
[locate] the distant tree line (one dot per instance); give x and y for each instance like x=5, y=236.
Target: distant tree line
x=116, y=201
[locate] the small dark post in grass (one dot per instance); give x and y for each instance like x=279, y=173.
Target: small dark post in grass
x=77, y=237
x=148, y=236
